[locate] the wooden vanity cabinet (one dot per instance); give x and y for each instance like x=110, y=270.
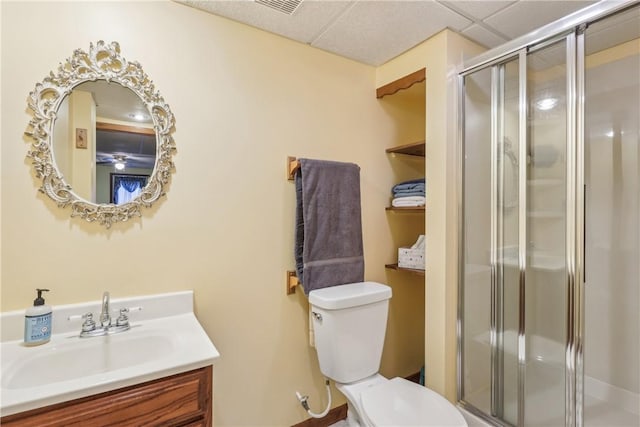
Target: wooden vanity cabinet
x=183, y=400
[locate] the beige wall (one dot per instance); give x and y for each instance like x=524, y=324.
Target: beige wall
x=243, y=100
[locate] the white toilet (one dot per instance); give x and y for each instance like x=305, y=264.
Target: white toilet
x=350, y=323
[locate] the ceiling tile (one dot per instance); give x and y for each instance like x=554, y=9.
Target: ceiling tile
x=309, y=19
x=478, y=9
x=483, y=36
x=373, y=32
x=525, y=16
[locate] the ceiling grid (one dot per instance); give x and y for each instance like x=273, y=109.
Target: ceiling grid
x=375, y=31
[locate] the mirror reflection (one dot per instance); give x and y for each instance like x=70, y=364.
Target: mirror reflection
x=69, y=117
x=104, y=143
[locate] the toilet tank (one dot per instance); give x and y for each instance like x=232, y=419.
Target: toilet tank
x=349, y=324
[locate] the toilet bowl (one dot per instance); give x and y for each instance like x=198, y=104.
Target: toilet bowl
x=380, y=402
x=349, y=326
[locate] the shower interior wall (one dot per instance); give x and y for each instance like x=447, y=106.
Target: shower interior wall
x=612, y=179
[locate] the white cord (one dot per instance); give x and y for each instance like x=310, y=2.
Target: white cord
x=305, y=404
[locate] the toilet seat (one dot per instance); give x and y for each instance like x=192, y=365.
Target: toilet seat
x=399, y=402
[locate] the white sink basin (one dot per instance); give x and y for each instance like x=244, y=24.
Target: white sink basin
x=77, y=358
x=69, y=367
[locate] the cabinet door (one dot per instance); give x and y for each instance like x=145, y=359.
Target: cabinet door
x=179, y=400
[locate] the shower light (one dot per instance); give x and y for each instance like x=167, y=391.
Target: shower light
x=119, y=166
x=546, y=103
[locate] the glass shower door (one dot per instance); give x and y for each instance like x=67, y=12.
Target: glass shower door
x=490, y=268
x=546, y=276
x=476, y=266
x=549, y=250
x=508, y=245
x=514, y=279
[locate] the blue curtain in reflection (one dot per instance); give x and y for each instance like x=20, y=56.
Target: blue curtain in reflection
x=127, y=188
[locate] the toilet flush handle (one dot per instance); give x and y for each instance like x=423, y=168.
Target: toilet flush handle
x=317, y=316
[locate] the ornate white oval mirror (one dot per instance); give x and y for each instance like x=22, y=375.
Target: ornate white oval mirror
x=102, y=136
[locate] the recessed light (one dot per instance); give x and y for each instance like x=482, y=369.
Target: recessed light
x=546, y=103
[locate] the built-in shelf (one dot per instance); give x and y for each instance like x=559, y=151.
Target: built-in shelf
x=410, y=270
x=405, y=209
x=412, y=149
x=402, y=83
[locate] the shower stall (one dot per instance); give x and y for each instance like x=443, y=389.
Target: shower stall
x=548, y=323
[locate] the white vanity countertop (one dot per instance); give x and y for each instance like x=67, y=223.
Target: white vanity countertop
x=165, y=339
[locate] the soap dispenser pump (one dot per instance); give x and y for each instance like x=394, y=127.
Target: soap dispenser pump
x=37, y=321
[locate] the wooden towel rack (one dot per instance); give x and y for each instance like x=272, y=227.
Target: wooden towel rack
x=292, y=282
x=293, y=165
x=292, y=279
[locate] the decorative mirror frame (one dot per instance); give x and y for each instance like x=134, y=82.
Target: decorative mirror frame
x=102, y=62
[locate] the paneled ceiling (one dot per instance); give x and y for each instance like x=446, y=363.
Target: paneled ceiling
x=375, y=31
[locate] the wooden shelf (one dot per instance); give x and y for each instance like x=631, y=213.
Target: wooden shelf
x=406, y=209
x=410, y=270
x=413, y=149
x=402, y=83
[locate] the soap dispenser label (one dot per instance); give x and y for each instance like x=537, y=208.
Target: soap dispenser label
x=37, y=328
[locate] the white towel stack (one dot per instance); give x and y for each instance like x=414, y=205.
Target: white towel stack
x=411, y=201
x=409, y=193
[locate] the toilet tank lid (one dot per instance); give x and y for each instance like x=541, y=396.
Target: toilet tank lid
x=349, y=295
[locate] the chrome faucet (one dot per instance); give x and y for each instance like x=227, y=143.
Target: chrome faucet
x=106, y=325
x=105, y=316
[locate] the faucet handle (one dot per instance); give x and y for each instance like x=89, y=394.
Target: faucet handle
x=89, y=324
x=123, y=318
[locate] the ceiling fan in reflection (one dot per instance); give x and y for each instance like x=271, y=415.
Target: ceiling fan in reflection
x=118, y=161
x=122, y=161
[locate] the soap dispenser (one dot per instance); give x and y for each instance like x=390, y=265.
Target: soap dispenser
x=37, y=321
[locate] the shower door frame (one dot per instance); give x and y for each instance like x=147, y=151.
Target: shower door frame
x=570, y=28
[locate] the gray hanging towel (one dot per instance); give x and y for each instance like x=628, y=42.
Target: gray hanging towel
x=328, y=234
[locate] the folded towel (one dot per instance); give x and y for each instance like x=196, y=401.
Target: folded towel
x=409, y=194
x=408, y=201
x=409, y=191
x=414, y=184
x=328, y=224
x=413, y=187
